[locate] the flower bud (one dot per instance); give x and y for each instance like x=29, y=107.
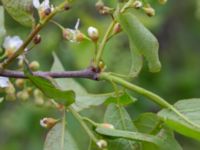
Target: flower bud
x=162, y=1
x=47, y=11
x=34, y=65
x=117, y=28
x=37, y=93
x=37, y=39
x=137, y=4
x=102, y=144
x=149, y=11
x=93, y=33
x=10, y=89
x=23, y=95
x=107, y=125
x=10, y=97
x=48, y=122
x=67, y=7
x=99, y=5
x=101, y=65
x=79, y=36
x=29, y=90
x=39, y=101
x=19, y=83
x=106, y=10
x=20, y=63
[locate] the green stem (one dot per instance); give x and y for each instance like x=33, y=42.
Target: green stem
x=57, y=24
x=103, y=42
x=155, y=98
x=90, y=121
x=63, y=131
x=33, y=34
x=85, y=127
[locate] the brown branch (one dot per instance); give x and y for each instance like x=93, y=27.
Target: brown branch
x=86, y=73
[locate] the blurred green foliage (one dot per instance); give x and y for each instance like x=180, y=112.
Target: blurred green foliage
x=177, y=27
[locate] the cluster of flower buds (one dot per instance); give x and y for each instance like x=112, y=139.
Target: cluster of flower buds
x=44, y=8
x=102, y=9
x=11, y=44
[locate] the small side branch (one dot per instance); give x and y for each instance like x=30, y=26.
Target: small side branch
x=86, y=73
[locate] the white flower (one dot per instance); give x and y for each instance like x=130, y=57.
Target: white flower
x=73, y=35
x=41, y=6
x=93, y=33
x=12, y=43
x=4, y=82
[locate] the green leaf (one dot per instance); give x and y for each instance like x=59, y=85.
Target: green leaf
x=150, y=123
x=58, y=138
x=49, y=88
x=120, y=119
x=122, y=100
x=2, y=28
x=147, y=123
x=159, y=142
x=66, y=97
x=191, y=109
x=137, y=60
x=20, y=10
x=83, y=98
x=142, y=41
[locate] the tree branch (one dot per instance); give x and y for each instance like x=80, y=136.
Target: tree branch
x=86, y=73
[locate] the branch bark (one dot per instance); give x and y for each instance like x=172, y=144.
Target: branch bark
x=86, y=73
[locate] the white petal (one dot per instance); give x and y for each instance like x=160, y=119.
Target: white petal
x=77, y=24
x=45, y=5
x=12, y=42
x=4, y=82
x=46, y=2
x=36, y=3
x=42, y=122
x=6, y=42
